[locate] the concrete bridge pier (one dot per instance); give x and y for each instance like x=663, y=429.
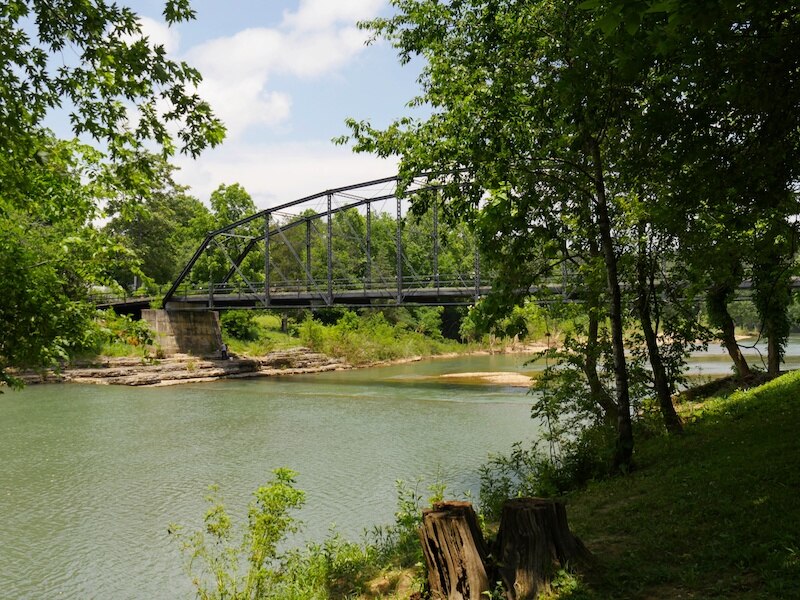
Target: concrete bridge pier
x=185, y=331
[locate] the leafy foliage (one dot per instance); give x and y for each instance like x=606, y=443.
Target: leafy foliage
x=269, y=521
x=122, y=91
x=157, y=221
x=49, y=256
x=626, y=141
x=115, y=65
x=371, y=337
x=534, y=472
x=239, y=324
x=257, y=567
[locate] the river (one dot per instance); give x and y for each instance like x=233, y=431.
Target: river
x=91, y=477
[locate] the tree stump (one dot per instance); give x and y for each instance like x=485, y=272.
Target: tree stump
x=455, y=552
x=533, y=537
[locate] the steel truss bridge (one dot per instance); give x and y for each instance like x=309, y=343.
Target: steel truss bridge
x=301, y=254
x=355, y=246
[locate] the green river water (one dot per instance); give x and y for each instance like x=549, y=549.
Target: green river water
x=92, y=476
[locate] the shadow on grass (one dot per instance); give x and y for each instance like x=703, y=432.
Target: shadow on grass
x=711, y=514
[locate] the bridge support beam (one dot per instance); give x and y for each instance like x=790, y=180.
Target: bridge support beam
x=267, y=266
x=436, y=243
x=399, y=252
x=368, y=272
x=309, y=278
x=330, y=251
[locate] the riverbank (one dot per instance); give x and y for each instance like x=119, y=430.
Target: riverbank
x=710, y=514
x=185, y=369
x=182, y=369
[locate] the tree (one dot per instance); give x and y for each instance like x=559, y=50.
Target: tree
x=527, y=105
x=157, y=223
x=49, y=254
x=723, y=124
x=229, y=203
x=120, y=90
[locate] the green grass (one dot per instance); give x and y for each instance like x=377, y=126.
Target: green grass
x=270, y=338
x=713, y=514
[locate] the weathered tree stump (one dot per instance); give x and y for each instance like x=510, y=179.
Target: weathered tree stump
x=455, y=552
x=533, y=537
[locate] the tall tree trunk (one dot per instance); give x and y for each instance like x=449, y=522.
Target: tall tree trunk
x=644, y=295
x=598, y=393
x=771, y=290
x=717, y=300
x=624, y=450
x=774, y=351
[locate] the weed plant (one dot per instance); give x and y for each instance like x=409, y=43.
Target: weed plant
x=254, y=566
x=117, y=336
x=370, y=338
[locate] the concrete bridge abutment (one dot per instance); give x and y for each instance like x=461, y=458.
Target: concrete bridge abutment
x=194, y=332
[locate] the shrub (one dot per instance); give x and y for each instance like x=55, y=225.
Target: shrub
x=256, y=568
x=115, y=334
x=534, y=472
x=220, y=559
x=312, y=333
x=239, y=324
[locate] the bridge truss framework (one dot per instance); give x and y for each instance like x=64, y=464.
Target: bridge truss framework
x=297, y=240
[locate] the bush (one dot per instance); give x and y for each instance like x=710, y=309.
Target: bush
x=312, y=333
x=269, y=521
x=336, y=568
x=371, y=337
x=117, y=335
x=529, y=321
x=239, y=324
x=533, y=472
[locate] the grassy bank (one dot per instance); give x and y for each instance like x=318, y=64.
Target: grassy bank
x=713, y=514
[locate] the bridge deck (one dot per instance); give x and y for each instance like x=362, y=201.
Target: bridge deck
x=460, y=296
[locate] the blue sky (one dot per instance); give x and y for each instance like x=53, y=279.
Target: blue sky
x=284, y=75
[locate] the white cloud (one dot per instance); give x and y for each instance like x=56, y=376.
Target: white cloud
x=278, y=173
x=160, y=34
x=324, y=14
x=317, y=39
x=239, y=80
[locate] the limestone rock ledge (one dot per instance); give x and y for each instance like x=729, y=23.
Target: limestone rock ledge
x=182, y=368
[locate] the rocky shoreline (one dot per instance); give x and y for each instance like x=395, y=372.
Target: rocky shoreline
x=182, y=368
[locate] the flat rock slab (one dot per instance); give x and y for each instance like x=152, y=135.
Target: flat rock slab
x=187, y=369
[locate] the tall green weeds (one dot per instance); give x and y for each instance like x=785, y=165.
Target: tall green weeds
x=369, y=338
x=221, y=567
x=254, y=566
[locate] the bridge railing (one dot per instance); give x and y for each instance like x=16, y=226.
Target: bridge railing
x=338, y=286
x=112, y=298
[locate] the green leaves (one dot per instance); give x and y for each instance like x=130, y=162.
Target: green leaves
x=269, y=521
x=176, y=11
x=118, y=78
x=122, y=91
x=49, y=255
